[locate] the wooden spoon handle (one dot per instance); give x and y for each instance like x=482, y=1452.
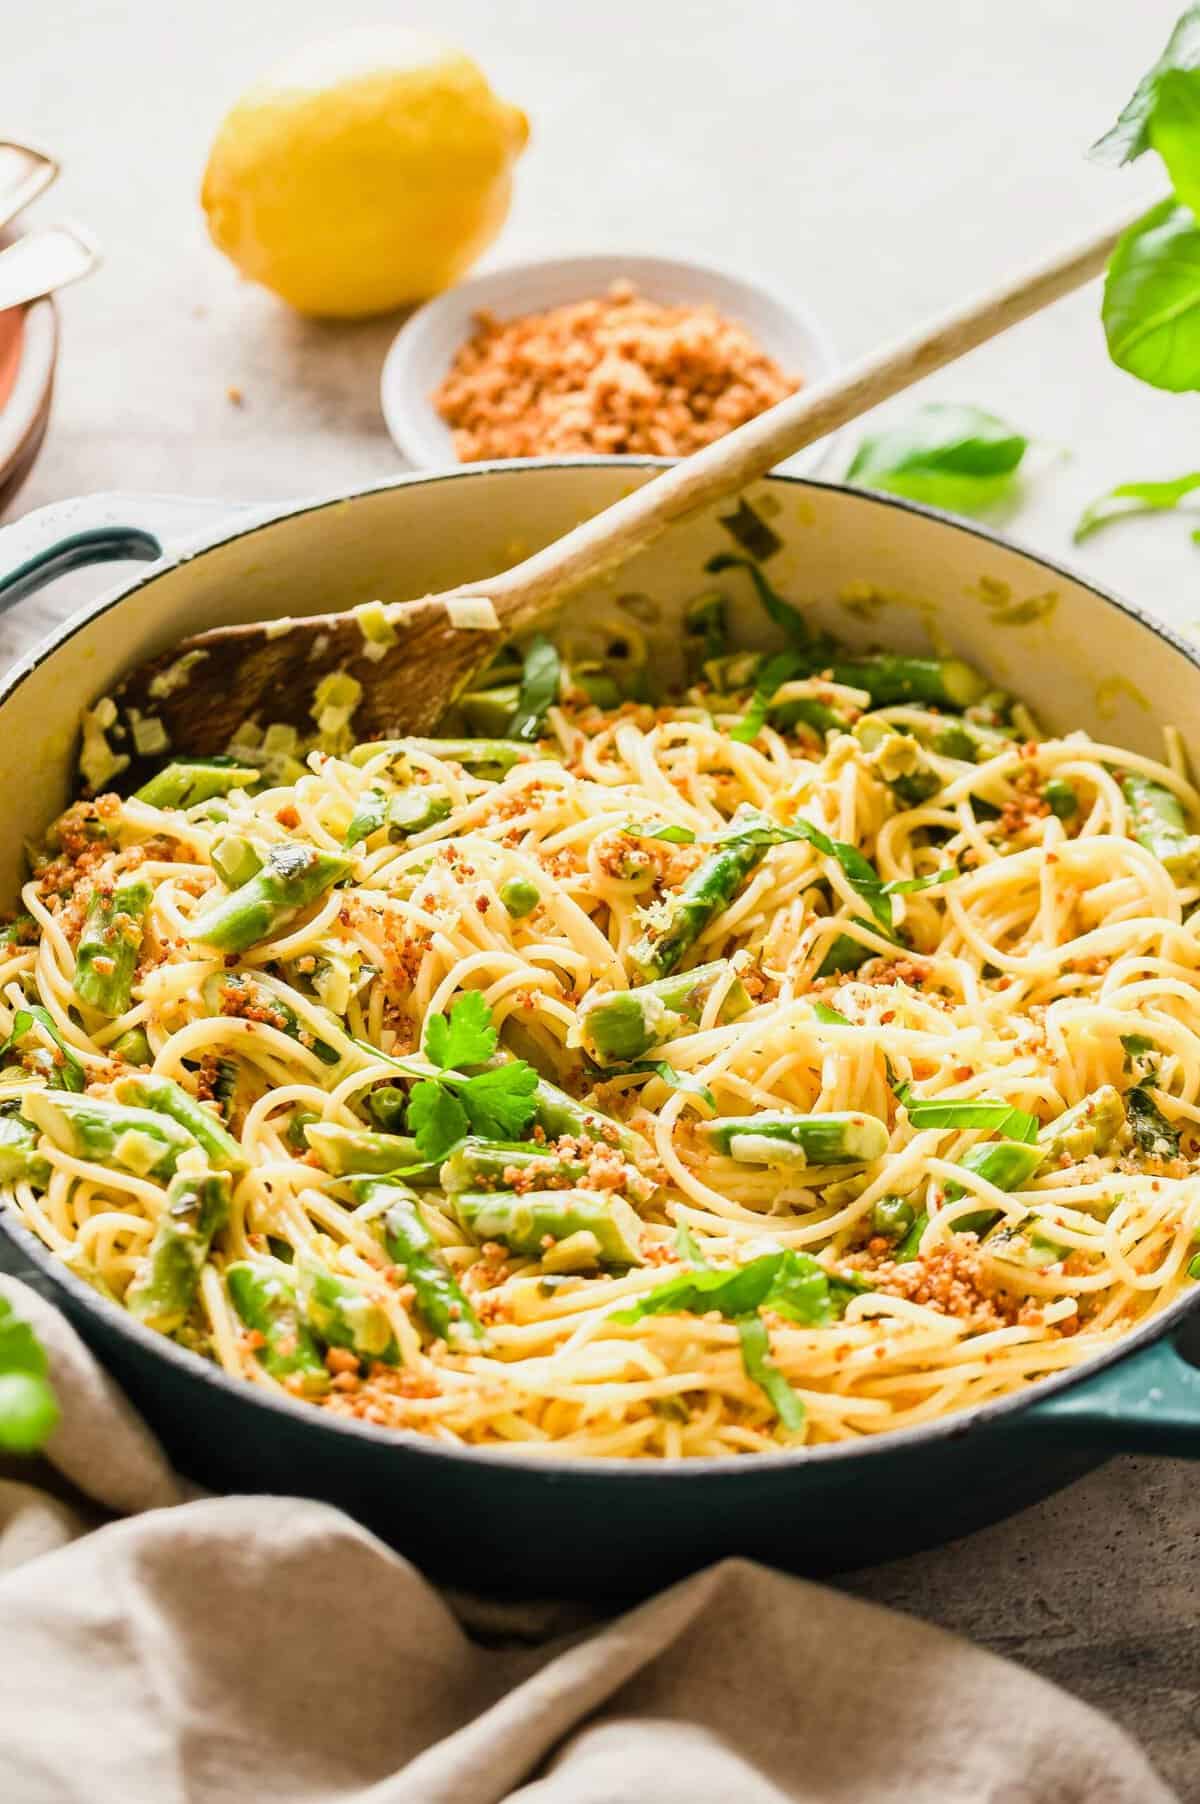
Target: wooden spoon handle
x=530, y=590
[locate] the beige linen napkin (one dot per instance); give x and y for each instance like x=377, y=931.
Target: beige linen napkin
x=256, y=1649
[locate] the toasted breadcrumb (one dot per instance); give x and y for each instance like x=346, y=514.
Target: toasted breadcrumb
x=619, y=374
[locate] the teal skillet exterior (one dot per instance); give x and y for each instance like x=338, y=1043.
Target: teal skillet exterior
x=508, y=1522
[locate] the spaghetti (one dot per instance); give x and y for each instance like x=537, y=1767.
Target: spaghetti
x=774, y=1066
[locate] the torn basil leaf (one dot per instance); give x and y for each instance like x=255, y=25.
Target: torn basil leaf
x=749, y=530
x=1133, y=498
x=1151, y=308
x=950, y=456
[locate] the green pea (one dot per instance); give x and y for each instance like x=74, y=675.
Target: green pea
x=520, y=897
x=389, y=1107
x=1062, y=798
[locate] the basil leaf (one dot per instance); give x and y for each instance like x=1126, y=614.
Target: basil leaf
x=984, y=1112
x=369, y=816
x=794, y=1284
x=761, y=1369
x=772, y=674
x=678, y=1080
x=1175, y=131
x=751, y=532
x=908, y=886
x=687, y=1248
x=1151, y=308
x=70, y=1074
x=909, y=1247
x=1130, y=137
x=1133, y=498
x=673, y=835
x=789, y=620
x=1152, y=1132
x=949, y=456
x=863, y=877
x=539, y=689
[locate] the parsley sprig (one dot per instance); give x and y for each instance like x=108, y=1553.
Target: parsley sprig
x=496, y=1104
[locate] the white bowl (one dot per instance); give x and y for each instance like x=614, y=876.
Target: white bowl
x=424, y=347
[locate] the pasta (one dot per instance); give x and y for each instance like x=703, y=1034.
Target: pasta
x=782, y=1065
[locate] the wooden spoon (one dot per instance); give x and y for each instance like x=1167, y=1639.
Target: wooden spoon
x=270, y=669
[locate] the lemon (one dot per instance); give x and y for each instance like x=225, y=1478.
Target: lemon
x=366, y=171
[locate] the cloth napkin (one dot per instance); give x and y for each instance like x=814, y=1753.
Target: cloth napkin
x=158, y=1646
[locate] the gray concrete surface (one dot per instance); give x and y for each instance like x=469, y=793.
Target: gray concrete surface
x=881, y=160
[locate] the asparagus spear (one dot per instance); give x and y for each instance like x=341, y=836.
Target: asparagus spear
x=478, y=1164
x=486, y=1164
x=293, y=877
x=949, y=737
x=890, y=677
x=602, y=688
x=1092, y=1126
x=1159, y=824
x=133, y=1047
x=109, y=944
x=340, y=1314
x=234, y=986
x=902, y=765
x=568, y=1230
x=19, y=1157
x=710, y=888
x=489, y=711
x=559, y=1116
x=777, y=1138
x=266, y=1303
x=186, y=781
x=145, y=1090
x=628, y=1023
x=409, y=1243
x=109, y=1133
x=479, y=755
x=744, y=670
x=413, y=810
x=808, y=711
x=344, y=1150
x=164, y=1288
x=235, y=860
x=1008, y=1164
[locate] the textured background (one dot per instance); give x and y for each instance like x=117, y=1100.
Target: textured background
x=880, y=159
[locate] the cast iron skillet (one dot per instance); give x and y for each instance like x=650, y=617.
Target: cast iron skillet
x=516, y=1522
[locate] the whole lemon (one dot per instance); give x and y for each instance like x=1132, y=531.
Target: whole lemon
x=366, y=171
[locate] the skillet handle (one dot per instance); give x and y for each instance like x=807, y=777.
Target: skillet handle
x=1146, y=1403
x=98, y=529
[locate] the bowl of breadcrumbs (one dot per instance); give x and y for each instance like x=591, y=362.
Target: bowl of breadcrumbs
x=602, y=356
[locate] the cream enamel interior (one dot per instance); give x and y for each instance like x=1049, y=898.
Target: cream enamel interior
x=1082, y=661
